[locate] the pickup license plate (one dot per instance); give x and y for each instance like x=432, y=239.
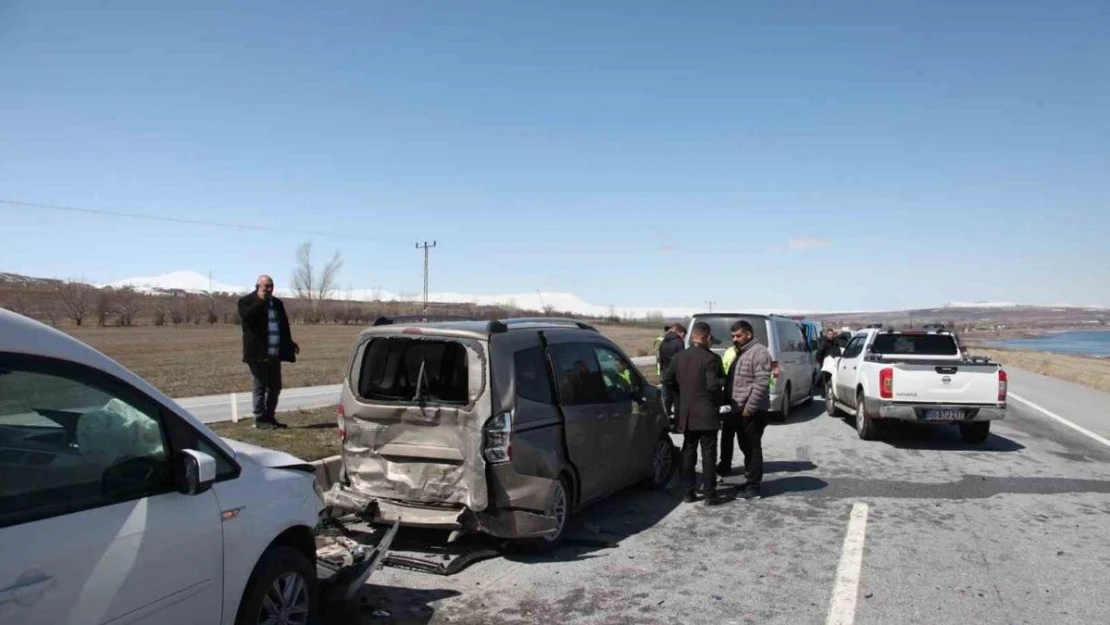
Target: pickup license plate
x=944, y=415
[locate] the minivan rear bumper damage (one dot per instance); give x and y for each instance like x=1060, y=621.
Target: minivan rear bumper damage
x=500, y=521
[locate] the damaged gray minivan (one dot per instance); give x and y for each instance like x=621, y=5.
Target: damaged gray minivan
x=499, y=427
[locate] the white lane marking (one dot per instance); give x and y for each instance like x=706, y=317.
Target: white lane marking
x=1053, y=415
x=842, y=609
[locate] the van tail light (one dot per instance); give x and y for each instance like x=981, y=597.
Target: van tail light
x=340, y=417
x=774, y=372
x=496, y=446
x=886, y=383
x=1003, y=384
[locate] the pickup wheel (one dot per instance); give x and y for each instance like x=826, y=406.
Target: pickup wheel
x=830, y=400
x=865, y=425
x=975, y=433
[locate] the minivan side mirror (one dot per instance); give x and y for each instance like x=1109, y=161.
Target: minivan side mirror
x=197, y=471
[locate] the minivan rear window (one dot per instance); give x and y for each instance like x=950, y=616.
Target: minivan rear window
x=915, y=344
x=722, y=328
x=391, y=369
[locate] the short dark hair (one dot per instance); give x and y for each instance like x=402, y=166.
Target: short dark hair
x=666, y=328
x=742, y=326
x=678, y=327
x=702, y=328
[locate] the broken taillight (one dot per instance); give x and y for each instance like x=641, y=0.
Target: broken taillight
x=497, y=432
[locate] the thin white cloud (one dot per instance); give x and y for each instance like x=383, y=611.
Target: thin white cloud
x=802, y=244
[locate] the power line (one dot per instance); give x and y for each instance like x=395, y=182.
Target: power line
x=180, y=220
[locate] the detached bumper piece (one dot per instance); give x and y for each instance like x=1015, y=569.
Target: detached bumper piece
x=346, y=555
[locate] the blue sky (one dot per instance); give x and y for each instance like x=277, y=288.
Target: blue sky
x=634, y=153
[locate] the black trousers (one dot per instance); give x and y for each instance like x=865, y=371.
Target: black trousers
x=748, y=432
x=691, y=440
x=265, y=388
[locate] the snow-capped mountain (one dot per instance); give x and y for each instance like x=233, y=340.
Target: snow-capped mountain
x=194, y=282
x=189, y=281
x=982, y=305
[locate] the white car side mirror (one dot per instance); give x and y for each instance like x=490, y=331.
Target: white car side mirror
x=198, y=472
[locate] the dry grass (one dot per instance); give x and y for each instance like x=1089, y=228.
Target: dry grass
x=187, y=361
x=311, y=434
x=1090, y=372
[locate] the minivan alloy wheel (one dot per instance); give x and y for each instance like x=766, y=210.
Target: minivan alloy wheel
x=286, y=602
x=662, y=462
x=559, y=511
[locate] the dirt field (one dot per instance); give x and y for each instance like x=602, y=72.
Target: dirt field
x=187, y=361
x=1090, y=372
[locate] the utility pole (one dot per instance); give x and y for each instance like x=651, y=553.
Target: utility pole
x=425, y=247
x=709, y=305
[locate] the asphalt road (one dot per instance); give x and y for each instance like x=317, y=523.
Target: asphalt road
x=1013, y=531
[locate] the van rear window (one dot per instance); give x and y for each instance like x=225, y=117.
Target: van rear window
x=721, y=327
x=915, y=344
x=391, y=371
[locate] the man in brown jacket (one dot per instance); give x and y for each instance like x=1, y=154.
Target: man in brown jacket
x=749, y=389
x=694, y=376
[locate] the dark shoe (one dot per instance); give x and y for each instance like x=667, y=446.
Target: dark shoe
x=265, y=425
x=689, y=497
x=724, y=470
x=751, y=491
x=714, y=499
x=279, y=425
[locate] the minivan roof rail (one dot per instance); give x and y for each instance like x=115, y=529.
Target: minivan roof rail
x=554, y=321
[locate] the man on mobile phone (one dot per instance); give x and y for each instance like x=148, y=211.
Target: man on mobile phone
x=267, y=342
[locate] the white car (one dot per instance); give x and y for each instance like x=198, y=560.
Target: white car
x=889, y=376
x=118, y=506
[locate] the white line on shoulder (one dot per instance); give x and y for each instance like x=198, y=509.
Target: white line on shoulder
x=1053, y=415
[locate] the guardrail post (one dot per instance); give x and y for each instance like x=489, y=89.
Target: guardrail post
x=234, y=409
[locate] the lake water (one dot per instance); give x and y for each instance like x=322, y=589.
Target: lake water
x=1084, y=342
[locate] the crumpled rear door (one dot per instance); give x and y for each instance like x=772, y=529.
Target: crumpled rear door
x=425, y=452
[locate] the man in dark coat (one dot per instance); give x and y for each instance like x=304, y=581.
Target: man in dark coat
x=267, y=341
x=827, y=347
x=695, y=375
x=674, y=341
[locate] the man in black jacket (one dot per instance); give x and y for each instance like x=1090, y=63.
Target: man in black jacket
x=267, y=341
x=696, y=376
x=674, y=341
x=827, y=346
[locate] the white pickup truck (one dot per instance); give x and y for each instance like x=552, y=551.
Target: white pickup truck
x=914, y=376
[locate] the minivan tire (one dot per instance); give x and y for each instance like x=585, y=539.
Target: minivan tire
x=560, y=499
x=281, y=565
x=664, y=462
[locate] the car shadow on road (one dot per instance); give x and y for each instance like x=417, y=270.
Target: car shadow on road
x=800, y=414
x=603, y=525
x=380, y=605
x=936, y=437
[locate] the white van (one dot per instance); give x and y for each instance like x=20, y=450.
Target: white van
x=794, y=374
x=118, y=506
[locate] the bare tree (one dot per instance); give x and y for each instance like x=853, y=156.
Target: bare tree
x=75, y=300
x=104, y=305
x=127, y=306
x=315, y=286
